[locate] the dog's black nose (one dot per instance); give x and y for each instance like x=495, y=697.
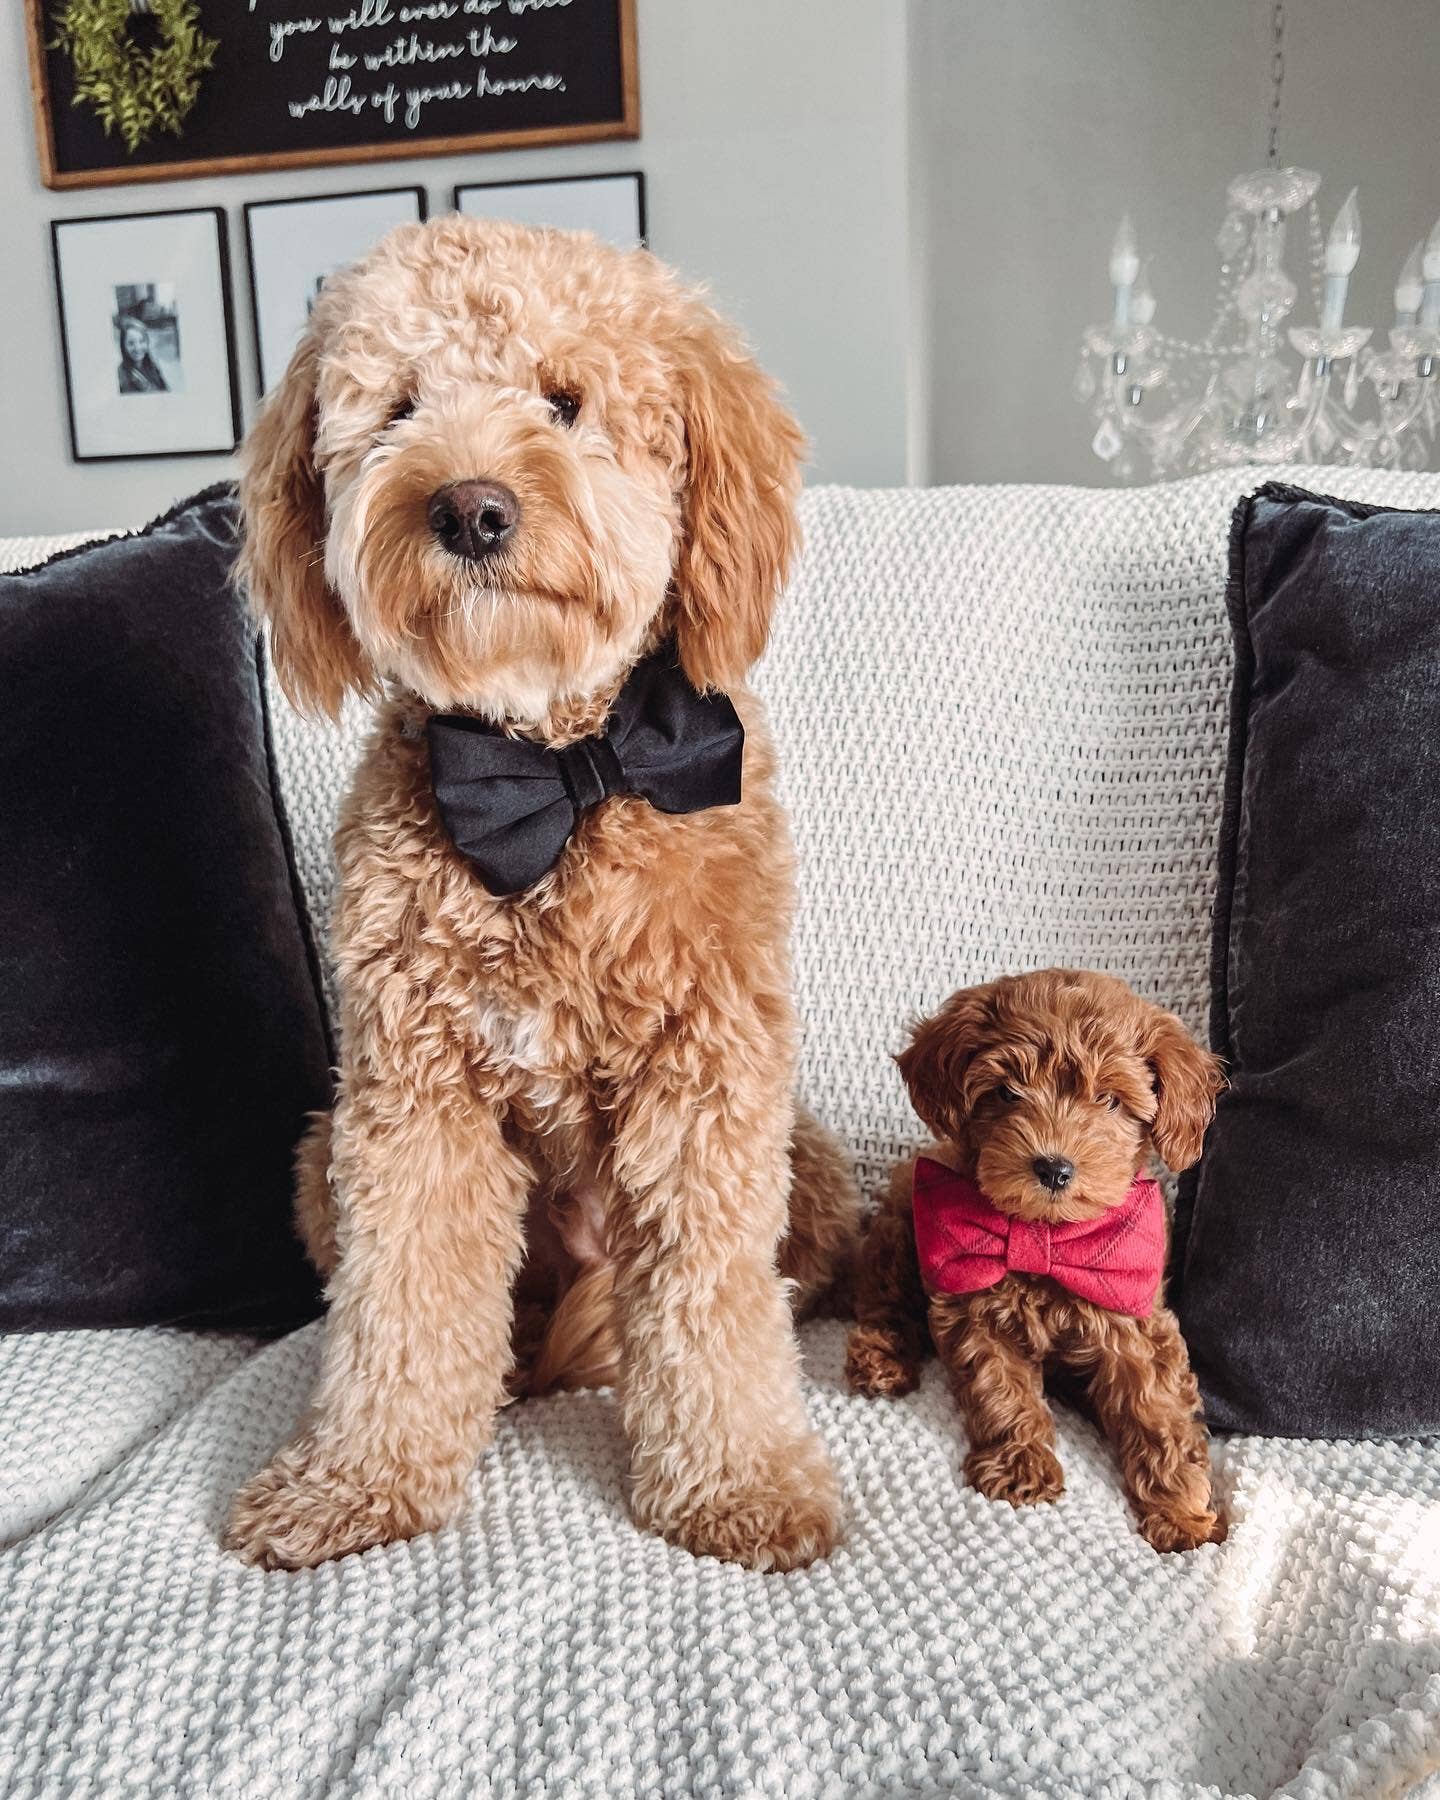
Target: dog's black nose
x=1053, y=1172
x=473, y=518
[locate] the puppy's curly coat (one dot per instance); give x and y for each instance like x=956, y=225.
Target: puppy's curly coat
x=583, y=1092
x=1058, y=1063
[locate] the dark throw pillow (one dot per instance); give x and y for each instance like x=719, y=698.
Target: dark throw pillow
x=161, y=1028
x=1308, y=1241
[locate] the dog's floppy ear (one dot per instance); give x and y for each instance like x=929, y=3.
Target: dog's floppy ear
x=1188, y=1080
x=739, y=531
x=939, y=1053
x=282, y=561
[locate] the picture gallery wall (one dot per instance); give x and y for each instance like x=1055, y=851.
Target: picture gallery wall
x=148, y=304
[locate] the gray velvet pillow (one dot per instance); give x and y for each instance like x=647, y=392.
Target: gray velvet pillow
x=1307, y=1255
x=161, y=1027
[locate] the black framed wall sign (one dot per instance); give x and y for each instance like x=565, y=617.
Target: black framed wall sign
x=612, y=206
x=213, y=87
x=147, y=334
x=293, y=245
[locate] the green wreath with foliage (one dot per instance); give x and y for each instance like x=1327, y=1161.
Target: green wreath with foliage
x=134, y=90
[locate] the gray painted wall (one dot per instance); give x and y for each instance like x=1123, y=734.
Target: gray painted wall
x=1036, y=123
x=769, y=129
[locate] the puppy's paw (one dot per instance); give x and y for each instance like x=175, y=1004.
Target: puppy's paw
x=1023, y=1474
x=876, y=1368
x=302, y=1511
x=1180, y=1530
x=781, y=1523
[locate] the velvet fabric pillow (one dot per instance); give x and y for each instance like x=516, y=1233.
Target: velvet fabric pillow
x=1307, y=1273
x=161, y=1028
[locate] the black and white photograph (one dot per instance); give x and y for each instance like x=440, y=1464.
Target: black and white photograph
x=145, y=323
x=294, y=246
x=612, y=206
x=147, y=332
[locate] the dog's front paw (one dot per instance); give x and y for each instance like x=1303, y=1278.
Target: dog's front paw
x=780, y=1523
x=1023, y=1474
x=303, y=1510
x=1181, y=1530
x=876, y=1368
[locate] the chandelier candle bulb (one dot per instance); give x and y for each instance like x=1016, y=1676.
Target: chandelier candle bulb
x=1410, y=286
x=1142, y=299
x=1124, y=268
x=1430, y=269
x=1342, y=252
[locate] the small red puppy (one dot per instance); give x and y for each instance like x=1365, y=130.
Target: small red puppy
x=1034, y=1239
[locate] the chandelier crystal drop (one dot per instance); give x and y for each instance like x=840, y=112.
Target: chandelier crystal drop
x=1254, y=389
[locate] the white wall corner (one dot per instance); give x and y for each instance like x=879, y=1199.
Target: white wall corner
x=915, y=203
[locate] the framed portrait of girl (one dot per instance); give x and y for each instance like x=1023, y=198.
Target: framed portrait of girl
x=147, y=334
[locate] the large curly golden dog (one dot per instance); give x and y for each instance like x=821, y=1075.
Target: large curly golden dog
x=505, y=465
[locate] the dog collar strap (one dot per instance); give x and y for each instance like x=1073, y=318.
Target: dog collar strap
x=966, y=1244
x=511, y=806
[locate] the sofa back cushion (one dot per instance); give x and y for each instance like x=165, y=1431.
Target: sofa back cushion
x=161, y=1027
x=1308, y=1242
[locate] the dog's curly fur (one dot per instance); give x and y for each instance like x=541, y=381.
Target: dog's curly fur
x=562, y=1141
x=1059, y=1062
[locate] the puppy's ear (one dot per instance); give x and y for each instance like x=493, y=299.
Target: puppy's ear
x=282, y=561
x=1188, y=1080
x=939, y=1053
x=739, y=531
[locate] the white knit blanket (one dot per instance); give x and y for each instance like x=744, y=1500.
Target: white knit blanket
x=544, y=1645
x=1002, y=713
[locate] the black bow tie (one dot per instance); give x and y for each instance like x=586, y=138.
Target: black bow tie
x=511, y=805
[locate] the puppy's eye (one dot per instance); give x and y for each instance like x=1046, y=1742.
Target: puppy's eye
x=565, y=404
x=402, y=410
x=1006, y=1095
x=1107, y=1100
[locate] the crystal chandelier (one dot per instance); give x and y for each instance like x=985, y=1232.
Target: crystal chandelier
x=1164, y=406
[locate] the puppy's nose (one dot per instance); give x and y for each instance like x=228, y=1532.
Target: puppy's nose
x=473, y=518
x=1053, y=1172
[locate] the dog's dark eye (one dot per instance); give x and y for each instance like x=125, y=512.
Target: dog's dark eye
x=1107, y=1100
x=1006, y=1095
x=401, y=411
x=565, y=404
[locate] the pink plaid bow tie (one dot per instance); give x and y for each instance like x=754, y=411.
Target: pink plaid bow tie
x=966, y=1244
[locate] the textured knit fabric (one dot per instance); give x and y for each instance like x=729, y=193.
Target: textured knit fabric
x=1309, y=1274
x=162, y=1033
x=1019, y=693
x=965, y=1244
x=544, y=1646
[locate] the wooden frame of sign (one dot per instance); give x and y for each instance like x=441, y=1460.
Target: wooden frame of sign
x=352, y=95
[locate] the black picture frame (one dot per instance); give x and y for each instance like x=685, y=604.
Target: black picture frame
x=251, y=207
x=227, y=305
x=635, y=175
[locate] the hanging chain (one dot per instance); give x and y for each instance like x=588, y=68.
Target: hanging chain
x=1277, y=79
